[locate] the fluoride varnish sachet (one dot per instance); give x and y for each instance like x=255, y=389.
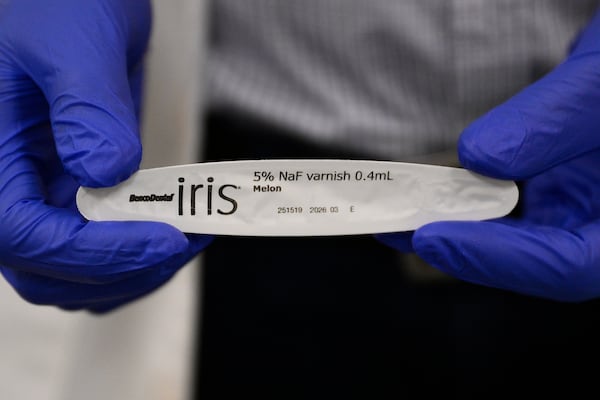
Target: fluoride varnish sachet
x=300, y=197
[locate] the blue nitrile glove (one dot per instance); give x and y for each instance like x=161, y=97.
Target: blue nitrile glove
x=70, y=83
x=549, y=136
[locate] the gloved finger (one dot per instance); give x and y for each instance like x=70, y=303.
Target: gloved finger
x=43, y=290
x=401, y=241
x=82, y=69
x=534, y=260
x=106, y=306
x=554, y=120
x=566, y=196
x=58, y=243
x=197, y=242
x=40, y=238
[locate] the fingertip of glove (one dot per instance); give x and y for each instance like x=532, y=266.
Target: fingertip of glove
x=98, y=143
x=401, y=241
x=423, y=239
x=106, y=165
x=169, y=240
x=491, y=144
x=199, y=242
x=430, y=243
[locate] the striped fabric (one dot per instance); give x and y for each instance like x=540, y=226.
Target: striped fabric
x=391, y=78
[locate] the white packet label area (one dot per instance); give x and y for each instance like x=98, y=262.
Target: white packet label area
x=300, y=197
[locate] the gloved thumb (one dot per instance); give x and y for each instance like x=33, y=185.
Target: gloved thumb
x=83, y=73
x=554, y=120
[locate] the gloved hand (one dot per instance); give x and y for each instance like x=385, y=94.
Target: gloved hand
x=70, y=86
x=548, y=135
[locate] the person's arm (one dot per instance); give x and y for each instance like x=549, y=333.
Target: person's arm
x=547, y=136
x=70, y=88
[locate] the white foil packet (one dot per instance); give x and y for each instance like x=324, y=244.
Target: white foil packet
x=300, y=197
